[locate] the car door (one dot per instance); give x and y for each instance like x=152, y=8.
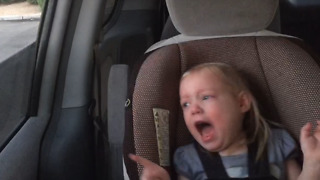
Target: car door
x=53, y=134
x=50, y=132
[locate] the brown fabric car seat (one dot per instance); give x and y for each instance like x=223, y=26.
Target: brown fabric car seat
x=283, y=75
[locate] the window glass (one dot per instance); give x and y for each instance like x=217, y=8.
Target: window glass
x=19, y=21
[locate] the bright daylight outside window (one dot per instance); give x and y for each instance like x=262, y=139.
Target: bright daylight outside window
x=19, y=21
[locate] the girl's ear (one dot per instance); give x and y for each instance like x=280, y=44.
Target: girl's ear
x=244, y=101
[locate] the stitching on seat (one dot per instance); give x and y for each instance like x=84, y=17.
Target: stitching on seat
x=183, y=63
x=265, y=76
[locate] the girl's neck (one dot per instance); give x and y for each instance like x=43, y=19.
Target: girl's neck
x=237, y=148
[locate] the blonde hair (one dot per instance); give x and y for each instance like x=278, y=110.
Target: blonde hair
x=255, y=126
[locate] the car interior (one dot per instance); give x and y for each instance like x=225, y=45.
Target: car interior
x=87, y=93
x=272, y=63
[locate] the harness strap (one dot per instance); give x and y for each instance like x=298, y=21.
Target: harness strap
x=214, y=168
x=257, y=168
x=211, y=162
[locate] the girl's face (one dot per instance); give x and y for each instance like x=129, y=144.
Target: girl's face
x=213, y=112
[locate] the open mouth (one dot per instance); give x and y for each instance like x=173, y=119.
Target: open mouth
x=201, y=126
x=205, y=129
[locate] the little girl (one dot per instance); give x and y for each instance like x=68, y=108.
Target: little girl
x=232, y=139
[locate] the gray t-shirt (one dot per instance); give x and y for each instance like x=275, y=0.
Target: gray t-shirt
x=281, y=146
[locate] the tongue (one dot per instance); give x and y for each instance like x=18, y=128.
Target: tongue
x=207, y=133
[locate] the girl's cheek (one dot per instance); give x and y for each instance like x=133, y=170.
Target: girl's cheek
x=185, y=112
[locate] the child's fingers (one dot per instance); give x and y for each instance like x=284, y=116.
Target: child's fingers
x=305, y=131
x=318, y=126
x=133, y=157
x=144, y=162
x=317, y=131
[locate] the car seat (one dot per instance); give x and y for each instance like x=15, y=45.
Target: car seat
x=282, y=73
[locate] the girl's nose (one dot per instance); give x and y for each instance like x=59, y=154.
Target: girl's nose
x=196, y=109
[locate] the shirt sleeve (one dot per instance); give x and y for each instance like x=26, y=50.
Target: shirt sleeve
x=285, y=144
x=289, y=146
x=181, y=163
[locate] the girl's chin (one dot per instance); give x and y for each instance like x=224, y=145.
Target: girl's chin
x=211, y=147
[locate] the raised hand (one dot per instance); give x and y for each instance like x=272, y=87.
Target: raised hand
x=310, y=142
x=151, y=171
x=310, y=146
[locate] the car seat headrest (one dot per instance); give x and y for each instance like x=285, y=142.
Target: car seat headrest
x=221, y=17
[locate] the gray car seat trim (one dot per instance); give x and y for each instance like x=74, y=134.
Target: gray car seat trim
x=221, y=17
x=117, y=94
x=184, y=38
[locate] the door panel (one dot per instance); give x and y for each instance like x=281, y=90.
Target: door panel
x=15, y=85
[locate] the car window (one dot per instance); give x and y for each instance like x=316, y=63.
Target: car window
x=19, y=22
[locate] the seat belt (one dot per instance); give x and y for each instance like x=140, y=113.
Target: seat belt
x=214, y=168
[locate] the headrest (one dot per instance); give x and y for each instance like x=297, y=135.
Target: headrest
x=221, y=17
